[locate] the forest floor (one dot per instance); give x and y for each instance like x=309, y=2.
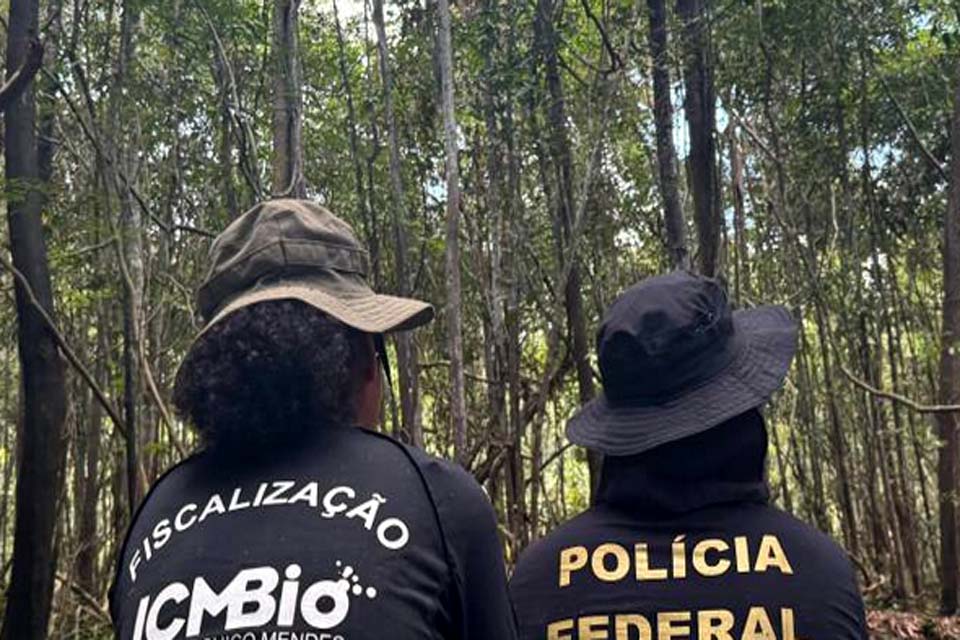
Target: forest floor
x=895, y=625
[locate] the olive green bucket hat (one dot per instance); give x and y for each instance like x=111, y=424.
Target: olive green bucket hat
x=296, y=249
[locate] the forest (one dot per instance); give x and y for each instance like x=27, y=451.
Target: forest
x=518, y=164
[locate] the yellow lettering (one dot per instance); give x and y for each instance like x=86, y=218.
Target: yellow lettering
x=554, y=629
x=788, y=624
x=679, y=557
x=758, y=626
x=572, y=559
x=624, y=623
x=742, y=553
x=666, y=628
x=599, y=562
x=593, y=628
x=700, y=562
x=641, y=556
x=771, y=554
x=714, y=624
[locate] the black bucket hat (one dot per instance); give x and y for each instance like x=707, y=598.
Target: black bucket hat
x=676, y=360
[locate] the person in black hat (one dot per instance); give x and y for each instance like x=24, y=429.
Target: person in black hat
x=681, y=542
x=295, y=520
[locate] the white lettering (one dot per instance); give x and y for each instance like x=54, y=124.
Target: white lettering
x=161, y=533
x=177, y=593
x=331, y=509
x=214, y=505
x=134, y=563
x=276, y=496
x=397, y=542
x=179, y=524
x=235, y=504
x=309, y=494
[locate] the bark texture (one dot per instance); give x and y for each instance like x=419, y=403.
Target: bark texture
x=43, y=392
x=947, y=423
x=458, y=415
x=288, y=180
x=674, y=222
x=700, y=108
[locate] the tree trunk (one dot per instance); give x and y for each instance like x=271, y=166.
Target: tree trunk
x=512, y=270
x=231, y=203
x=407, y=363
x=288, y=180
x=700, y=108
x=499, y=212
x=563, y=170
x=947, y=423
x=674, y=222
x=86, y=567
x=741, y=265
x=41, y=447
x=88, y=494
x=131, y=255
x=363, y=204
x=454, y=297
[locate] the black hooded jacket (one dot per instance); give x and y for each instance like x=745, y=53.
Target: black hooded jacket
x=681, y=543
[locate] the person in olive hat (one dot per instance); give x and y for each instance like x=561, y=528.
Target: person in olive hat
x=680, y=541
x=296, y=520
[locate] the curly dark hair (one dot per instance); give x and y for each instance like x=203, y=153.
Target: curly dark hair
x=269, y=373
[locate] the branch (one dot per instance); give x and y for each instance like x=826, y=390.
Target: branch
x=158, y=400
x=757, y=140
x=87, y=599
x=18, y=82
x=913, y=131
x=896, y=397
x=556, y=455
x=64, y=346
x=119, y=178
x=467, y=374
x=615, y=61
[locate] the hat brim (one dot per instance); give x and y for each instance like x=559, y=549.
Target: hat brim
x=769, y=336
x=368, y=312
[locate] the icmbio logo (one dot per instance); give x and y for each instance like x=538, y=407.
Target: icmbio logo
x=254, y=598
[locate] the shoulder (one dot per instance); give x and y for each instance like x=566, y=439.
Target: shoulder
x=808, y=540
x=169, y=477
x=169, y=482
x=450, y=485
x=813, y=554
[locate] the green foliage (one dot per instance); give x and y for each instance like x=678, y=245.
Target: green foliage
x=843, y=213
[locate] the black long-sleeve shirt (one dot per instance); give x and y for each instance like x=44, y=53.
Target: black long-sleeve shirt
x=354, y=536
x=681, y=544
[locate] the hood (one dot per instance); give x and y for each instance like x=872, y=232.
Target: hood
x=725, y=464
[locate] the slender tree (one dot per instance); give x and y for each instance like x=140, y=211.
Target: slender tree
x=43, y=390
x=561, y=156
x=700, y=108
x=130, y=258
x=950, y=375
x=458, y=415
x=288, y=180
x=674, y=222
x=406, y=349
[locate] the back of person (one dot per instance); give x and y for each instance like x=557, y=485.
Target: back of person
x=295, y=520
x=682, y=544
x=351, y=536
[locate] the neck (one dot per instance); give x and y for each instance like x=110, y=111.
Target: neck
x=724, y=464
